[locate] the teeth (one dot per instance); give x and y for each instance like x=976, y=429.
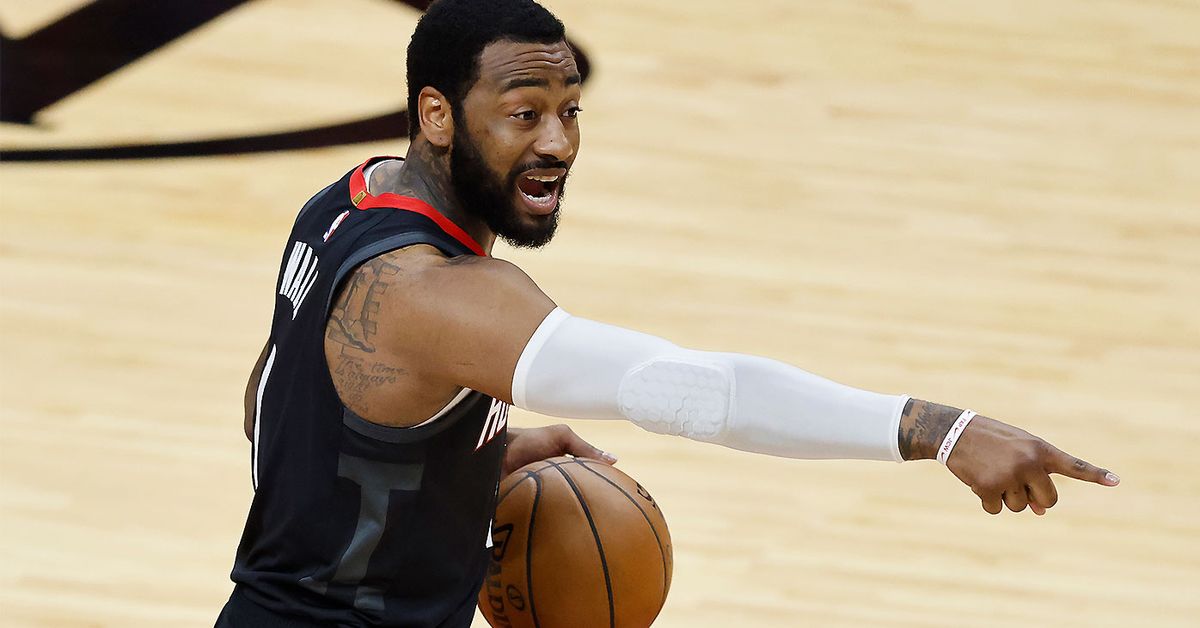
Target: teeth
x=544, y=179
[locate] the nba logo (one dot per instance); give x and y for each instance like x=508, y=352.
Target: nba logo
x=334, y=225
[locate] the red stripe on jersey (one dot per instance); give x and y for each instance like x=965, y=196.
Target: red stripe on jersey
x=365, y=200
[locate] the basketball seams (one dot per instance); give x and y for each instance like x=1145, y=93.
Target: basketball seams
x=537, y=496
x=612, y=617
x=662, y=552
x=528, y=474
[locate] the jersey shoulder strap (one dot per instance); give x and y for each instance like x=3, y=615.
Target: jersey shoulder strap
x=396, y=221
x=364, y=200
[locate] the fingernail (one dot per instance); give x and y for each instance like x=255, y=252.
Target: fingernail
x=609, y=458
x=1112, y=477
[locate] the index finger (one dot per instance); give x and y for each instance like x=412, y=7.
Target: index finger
x=576, y=446
x=1072, y=467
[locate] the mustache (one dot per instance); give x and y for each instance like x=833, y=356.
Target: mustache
x=544, y=164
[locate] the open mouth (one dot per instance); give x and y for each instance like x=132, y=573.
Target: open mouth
x=539, y=189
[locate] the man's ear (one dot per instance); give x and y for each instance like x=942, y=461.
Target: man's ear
x=435, y=117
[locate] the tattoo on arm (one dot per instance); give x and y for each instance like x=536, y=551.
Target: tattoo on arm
x=353, y=322
x=356, y=378
x=923, y=425
x=356, y=367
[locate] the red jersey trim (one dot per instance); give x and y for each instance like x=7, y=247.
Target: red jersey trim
x=364, y=200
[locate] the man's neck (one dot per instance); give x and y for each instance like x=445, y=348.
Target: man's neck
x=424, y=174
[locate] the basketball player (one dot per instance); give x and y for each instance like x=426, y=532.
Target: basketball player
x=378, y=410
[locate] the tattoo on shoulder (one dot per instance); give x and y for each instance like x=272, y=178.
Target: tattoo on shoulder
x=353, y=322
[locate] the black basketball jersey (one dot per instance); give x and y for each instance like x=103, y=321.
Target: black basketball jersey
x=354, y=523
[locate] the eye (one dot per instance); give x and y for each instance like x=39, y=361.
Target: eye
x=528, y=115
x=572, y=112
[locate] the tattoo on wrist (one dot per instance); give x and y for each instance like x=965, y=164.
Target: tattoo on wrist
x=923, y=425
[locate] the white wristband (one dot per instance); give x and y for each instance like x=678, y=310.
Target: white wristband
x=956, y=430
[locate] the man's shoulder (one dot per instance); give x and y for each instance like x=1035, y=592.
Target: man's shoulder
x=418, y=290
x=426, y=268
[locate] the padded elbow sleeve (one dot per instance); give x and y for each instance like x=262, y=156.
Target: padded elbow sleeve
x=679, y=394
x=576, y=368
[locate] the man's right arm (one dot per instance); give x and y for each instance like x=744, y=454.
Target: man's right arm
x=426, y=326
x=481, y=323
x=1018, y=463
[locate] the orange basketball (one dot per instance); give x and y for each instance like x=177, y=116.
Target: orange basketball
x=577, y=544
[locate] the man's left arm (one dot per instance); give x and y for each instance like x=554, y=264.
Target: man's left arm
x=531, y=444
x=251, y=398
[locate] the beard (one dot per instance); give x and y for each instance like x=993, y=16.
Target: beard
x=492, y=198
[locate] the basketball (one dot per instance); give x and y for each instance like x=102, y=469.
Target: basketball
x=576, y=543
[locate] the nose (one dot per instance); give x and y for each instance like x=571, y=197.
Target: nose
x=554, y=142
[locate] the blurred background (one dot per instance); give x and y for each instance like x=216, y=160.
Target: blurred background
x=984, y=204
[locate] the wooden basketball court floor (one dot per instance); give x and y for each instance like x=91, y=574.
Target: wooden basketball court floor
x=987, y=204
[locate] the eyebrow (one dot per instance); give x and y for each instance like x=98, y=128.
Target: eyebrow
x=533, y=81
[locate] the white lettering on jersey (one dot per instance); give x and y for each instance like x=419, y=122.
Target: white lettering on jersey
x=299, y=275
x=497, y=417
x=334, y=225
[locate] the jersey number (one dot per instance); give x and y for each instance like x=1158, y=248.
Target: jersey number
x=376, y=481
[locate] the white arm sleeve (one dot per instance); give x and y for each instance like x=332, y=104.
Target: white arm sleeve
x=577, y=368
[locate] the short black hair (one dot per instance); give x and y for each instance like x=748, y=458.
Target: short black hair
x=444, y=51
